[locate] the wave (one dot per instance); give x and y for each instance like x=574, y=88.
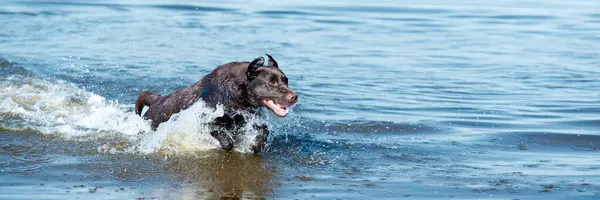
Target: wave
x=55, y=107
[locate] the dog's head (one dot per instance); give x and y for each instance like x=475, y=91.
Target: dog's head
x=268, y=86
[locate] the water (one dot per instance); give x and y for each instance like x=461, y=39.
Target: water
x=418, y=100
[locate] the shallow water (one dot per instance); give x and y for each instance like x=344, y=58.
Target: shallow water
x=417, y=100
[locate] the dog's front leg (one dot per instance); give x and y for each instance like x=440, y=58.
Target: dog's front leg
x=222, y=125
x=261, y=138
x=224, y=139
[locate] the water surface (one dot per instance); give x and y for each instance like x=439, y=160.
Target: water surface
x=419, y=99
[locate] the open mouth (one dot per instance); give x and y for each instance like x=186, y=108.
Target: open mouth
x=278, y=109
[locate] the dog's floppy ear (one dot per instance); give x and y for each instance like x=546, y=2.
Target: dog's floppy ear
x=272, y=62
x=253, y=67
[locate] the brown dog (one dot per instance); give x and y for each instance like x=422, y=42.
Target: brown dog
x=239, y=87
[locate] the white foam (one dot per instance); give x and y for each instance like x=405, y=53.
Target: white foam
x=185, y=131
x=189, y=131
x=57, y=107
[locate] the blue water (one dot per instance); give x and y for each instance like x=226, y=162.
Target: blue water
x=415, y=99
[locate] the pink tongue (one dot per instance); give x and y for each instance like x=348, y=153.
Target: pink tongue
x=276, y=108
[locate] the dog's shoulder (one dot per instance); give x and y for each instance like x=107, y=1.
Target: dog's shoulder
x=223, y=84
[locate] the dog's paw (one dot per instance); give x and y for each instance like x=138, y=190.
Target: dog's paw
x=224, y=139
x=256, y=149
x=261, y=139
x=227, y=144
x=259, y=144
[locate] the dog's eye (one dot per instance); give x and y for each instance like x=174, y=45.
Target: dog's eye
x=273, y=83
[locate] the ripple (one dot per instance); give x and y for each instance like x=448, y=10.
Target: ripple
x=587, y=123
x=579, y=110
x=193, y=8
x=336, y=22
x=558, y=138
x=380, y=9
x=18, y=13
x=302, y=149
x=412, y=158
x=504, y=17
x=427, y=25
x=594, y=15
x=482, y=124
x=284, y=13
x=5, y=63
x=24, y=159
x=8, y=68
x=406, y=19
x=118, y=7
x=372, y=127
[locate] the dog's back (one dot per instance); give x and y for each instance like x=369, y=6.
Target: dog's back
x=221, y=86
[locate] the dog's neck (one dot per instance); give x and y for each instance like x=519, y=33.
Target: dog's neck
x=243, y=98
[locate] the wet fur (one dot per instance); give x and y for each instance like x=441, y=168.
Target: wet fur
x=238, y=86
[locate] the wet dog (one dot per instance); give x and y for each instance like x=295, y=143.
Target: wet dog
x=238, y=87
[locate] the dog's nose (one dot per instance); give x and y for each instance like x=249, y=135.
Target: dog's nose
x=294, y=98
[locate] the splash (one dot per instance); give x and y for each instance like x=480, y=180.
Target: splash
x=60, y=108
x=188, y=131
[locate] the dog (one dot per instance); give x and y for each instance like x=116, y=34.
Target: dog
x=238, y=87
